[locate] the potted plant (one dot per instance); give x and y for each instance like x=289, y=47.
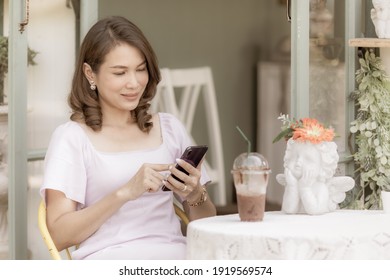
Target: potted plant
x=310, y=164
x=4, y=64
x=372, y=133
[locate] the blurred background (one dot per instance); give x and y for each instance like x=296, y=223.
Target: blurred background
x=248, y=46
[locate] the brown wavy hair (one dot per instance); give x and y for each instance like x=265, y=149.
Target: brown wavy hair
x=99, y=41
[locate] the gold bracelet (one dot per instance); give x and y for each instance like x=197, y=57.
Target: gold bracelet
x=203, y=198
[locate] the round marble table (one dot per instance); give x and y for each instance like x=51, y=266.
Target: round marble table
x=343, y=234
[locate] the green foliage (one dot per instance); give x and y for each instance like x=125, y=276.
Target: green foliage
x=3, y=54
x=286, y=134
x=372, y=131
x=31, y=54
x=287, y=127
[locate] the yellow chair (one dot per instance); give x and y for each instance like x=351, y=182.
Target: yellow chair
x=55, y=254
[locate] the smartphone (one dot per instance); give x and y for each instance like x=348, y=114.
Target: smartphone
x=192, y=155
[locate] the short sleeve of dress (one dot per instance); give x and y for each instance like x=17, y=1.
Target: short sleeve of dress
x=65, y=168
x=177, y=138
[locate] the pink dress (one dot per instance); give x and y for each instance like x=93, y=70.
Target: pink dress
x=146, y=228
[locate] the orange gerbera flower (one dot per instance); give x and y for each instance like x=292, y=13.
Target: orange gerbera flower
x=313, y=131
x=305, y=129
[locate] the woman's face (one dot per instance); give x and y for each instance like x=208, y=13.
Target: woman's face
x=122, y=78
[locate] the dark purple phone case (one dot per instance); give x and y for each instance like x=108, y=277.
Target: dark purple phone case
x=192, y=155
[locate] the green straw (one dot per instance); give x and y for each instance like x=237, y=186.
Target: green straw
x=246, y=139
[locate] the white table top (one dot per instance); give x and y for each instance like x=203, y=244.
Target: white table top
x=343, y=234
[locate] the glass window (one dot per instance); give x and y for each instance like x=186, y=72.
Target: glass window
x=327, y=79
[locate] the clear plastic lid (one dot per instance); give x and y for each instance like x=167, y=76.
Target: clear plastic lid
x=251, y=161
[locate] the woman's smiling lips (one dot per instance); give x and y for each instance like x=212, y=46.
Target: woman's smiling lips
x=130, y=96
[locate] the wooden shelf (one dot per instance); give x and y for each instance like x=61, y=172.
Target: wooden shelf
x=370, y=42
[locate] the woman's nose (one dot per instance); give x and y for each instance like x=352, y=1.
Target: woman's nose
x=132, y=81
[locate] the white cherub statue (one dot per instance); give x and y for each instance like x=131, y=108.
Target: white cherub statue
x=310, y=185
x=310, y=164
x=380, y=16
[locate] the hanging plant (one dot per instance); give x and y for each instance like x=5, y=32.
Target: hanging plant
x=372, y=133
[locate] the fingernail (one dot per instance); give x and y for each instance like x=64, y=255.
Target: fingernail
x=178, y=160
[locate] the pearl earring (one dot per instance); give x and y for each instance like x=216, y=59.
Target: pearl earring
x=93, y=86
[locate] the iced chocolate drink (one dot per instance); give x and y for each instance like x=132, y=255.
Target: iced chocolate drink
x=251, y=208
x=250, y=174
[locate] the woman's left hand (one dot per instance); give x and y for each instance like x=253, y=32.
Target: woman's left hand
x=191, y=182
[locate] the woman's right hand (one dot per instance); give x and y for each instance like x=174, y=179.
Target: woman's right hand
x=148, y=178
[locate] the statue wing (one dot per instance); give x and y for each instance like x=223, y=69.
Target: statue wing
x=338, y=186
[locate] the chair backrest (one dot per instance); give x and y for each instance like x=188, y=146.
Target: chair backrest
x=179, y=93
x=55, y=254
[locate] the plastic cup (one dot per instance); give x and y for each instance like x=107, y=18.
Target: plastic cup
x=251, y=174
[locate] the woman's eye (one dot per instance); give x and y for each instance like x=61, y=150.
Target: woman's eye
x=119, y=73
x=141, y=69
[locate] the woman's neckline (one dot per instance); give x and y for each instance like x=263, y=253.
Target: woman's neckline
x=125, y=152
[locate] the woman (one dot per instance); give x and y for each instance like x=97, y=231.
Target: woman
x=105, y=167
